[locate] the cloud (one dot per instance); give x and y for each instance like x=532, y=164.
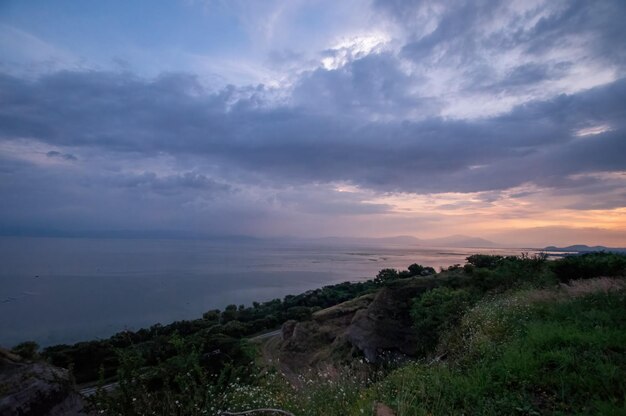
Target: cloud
x=64, y=156
x=373, y=87
x=561, y=236
x=495, y=101
x=171, y=184
x=242, y=130
x=327, y=201
x=489, y=56
x=19, y=47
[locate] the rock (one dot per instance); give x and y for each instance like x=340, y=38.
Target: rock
x=385, y=325
x=311, y=343
x=383, y=410
x=374, y=324
x=287, y=329
x=36, y=389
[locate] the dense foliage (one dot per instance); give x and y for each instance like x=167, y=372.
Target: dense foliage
x=438, y=310
x=589, y=265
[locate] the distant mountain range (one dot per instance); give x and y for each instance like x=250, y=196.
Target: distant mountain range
x=460, y=241
x=402, y=240
x=407, y=240
x=582, y=248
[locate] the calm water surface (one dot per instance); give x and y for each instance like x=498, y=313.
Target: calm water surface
x=62, y=290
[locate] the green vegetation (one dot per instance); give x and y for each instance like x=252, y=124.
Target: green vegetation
x=222, y=331
x=590, y=265
x=387, y=275
x=524, y=357
x=436, y=311
x=27, y=350
x=500, y=335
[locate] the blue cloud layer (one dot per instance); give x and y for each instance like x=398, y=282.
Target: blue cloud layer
x=460, y=97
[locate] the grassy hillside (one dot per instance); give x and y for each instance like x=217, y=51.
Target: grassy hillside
x=527, y=352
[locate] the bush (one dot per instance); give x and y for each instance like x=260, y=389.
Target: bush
x=435, y=311
x=212, y=315
x=235, y=329
x=589, y=265
x=299, y=313
x=386, y=275
x=487, y=261
x=419, y=270
x=27, y=350
x=506, y=272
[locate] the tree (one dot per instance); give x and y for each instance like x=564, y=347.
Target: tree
x=212, y=316
x=229, y=314
x=416, y=269
x=484, y=260
x=386, y=275
x=27, y=350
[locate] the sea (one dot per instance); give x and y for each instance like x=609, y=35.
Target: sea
x=66, y=290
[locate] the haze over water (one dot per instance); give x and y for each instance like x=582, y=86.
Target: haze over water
x=63, y=290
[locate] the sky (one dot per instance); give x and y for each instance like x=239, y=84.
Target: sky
x=498, y=119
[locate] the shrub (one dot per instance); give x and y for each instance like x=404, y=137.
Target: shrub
x=484, y=260
x=589, y=265
x=419, y=270
x=435, y=311
x=386, y=275
x=27, y=350
x=212, y=315
x=507, y=272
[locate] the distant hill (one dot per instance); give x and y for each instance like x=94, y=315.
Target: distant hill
x=397, y=240
x=460, y=241
x=407, y=240
x=582, y=248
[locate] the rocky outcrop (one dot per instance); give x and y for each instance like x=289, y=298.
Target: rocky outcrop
x=372, y=324
x=312, y=343
x=385, y=325
x=287, y=329
x=36, y=389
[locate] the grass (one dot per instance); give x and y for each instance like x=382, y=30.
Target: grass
x=560, y=358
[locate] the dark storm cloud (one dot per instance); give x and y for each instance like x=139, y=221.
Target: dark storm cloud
x=170, y=184
x=65, y=156
x=240, y=130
